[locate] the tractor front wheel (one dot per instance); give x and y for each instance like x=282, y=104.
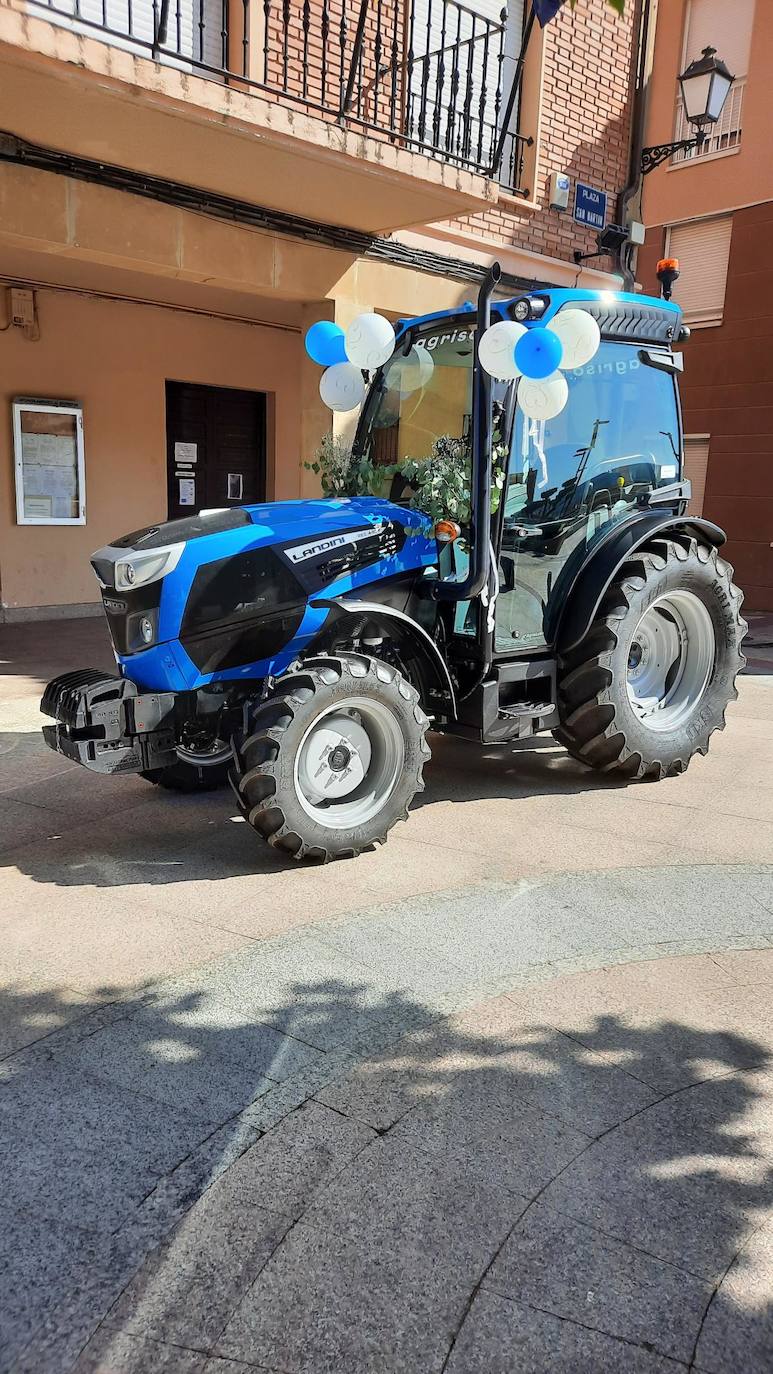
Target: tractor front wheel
x=650, y=683
x=333, y=757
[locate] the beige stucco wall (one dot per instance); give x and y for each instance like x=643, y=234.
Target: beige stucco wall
x=114, y=358
x=685, y=190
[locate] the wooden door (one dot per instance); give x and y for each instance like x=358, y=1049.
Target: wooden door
x=216, y=447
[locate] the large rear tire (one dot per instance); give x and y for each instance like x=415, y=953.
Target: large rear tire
x=333, y=758
x=648, y=686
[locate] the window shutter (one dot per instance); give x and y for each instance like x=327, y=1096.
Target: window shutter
x=696, y=462
x=722, y=25
x=703, y=250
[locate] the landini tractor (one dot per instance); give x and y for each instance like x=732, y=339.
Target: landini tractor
x=305, y=648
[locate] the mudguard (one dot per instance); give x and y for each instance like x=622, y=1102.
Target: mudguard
x=580, y=601
x=431, y=670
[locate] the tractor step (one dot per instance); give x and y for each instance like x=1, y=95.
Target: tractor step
x=520, y=719
x=515, y=709
x=517, y=701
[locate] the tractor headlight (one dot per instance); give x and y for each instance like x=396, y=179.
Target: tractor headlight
x=140, y=568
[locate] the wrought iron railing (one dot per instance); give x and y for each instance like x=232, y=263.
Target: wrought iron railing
x=426, y=74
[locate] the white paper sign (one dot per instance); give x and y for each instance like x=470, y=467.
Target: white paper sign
x=187, y=491
x=186, y=453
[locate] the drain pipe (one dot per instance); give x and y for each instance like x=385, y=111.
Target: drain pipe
x=633, y=190
x=480, y=477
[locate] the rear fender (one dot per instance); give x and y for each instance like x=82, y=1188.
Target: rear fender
x=429, y=670
x=580, y=602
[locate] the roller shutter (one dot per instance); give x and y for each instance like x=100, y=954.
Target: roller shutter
x=703, y=250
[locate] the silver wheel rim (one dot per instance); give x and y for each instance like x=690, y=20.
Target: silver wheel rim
x=670, y=659
x=349, y=762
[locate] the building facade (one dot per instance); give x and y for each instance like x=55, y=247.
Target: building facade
x=713, y=210
x=185, y=187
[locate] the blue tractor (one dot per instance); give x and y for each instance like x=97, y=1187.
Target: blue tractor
x=305, y=648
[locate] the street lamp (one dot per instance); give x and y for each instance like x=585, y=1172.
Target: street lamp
x=705, y=87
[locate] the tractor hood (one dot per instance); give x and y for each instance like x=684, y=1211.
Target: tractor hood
x=258, y=579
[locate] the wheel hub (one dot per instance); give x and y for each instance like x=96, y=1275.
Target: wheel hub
x=349, y=762
x=339, y=758
x=334, y=759
x=670, y=660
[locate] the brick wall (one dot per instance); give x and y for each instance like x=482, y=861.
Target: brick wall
x=585, y=126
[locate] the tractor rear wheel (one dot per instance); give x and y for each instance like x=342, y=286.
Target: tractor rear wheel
x=650, y=683
x=333, y=758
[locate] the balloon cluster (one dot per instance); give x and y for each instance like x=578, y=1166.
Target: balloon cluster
x=539, y=356
x=367, y=344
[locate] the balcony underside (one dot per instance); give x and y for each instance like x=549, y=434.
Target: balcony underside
x=78, y=94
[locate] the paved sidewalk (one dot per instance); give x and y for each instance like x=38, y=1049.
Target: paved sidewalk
x=498, y=1097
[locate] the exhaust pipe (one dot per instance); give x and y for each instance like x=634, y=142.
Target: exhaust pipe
x=477, y=577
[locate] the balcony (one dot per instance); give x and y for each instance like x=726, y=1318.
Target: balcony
x=413, y=92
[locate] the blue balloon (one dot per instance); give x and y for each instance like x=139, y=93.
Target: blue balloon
x=325, y=343
x=538, y=353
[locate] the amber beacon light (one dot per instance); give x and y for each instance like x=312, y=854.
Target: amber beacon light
x=667, y=273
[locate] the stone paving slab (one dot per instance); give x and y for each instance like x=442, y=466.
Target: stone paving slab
x=500, y=1336
x=84, y=1152
x=284, y=1170
x=737, y=1332
x=555, y=1264
x=333, y=1303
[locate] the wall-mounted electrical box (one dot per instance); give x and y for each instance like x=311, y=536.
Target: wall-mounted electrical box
x=22, y=307
x=558, y=191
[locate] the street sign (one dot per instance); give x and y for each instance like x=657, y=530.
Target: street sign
x=590, y=206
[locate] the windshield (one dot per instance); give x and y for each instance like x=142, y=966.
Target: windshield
x=420, y=397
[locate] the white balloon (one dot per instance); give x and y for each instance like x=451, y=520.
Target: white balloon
x=412, y=373
x=542, y=400
x=369, y=341
x=341, y=386
x=580, y=336
x=496, y=350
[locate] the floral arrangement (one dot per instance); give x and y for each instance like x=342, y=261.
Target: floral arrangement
x=343, y=473
x=438, y=485
x=441, y=482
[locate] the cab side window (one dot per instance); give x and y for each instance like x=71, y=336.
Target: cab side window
x=617, y=435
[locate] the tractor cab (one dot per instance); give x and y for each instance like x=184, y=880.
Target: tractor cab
x=555, y=489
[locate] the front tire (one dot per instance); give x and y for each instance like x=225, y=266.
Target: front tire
x=333, y=757
x=189, y=777
x=650, y=683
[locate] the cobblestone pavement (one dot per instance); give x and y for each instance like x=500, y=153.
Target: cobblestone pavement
x=497, y=1097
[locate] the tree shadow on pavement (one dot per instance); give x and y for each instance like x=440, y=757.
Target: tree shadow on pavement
x=327, y=1175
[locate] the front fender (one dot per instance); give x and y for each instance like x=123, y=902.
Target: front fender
x=580, y=601
x=433, y=682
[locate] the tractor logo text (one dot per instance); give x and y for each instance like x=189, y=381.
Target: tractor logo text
x=300, y=552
